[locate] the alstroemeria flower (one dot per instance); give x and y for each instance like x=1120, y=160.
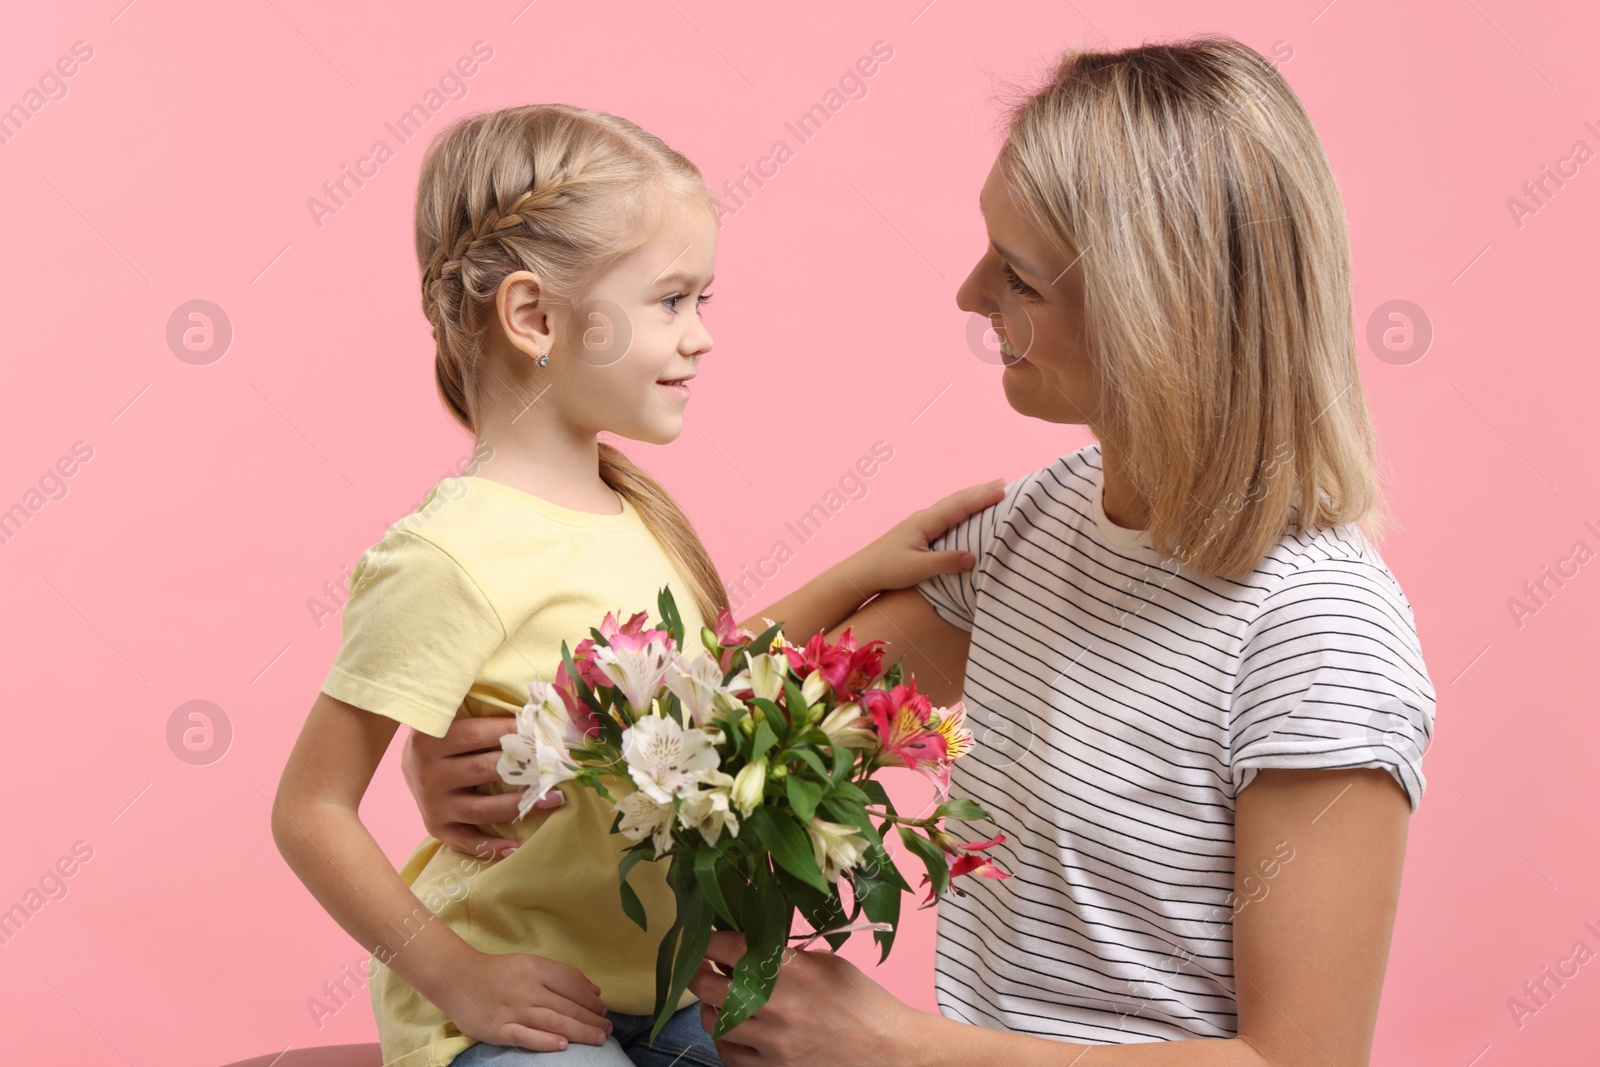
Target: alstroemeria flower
x=709, y=810
x=970, y=863
x=535, y=756
x=664, y=757
x=764, y=677
x=637, y=671
x=836, y=846
x=696, y=683
x=629, y=636
x=644, y=817
x=952, y=726
x=901, y=718
x=847, y=726
x=749, y=785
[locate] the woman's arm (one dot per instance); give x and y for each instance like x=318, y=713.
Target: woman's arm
x=316, y=825
x=1309, y=955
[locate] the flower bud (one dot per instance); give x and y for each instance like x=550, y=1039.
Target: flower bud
x=749, y=784
x=813, y=687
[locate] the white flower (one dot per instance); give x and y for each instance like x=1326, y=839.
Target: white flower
x=709, y=810
x=637, y=672
x=813, y=687
x=748, y=785
x=535, y=757
x=764, y=677
x=644, y=817
x=663, y=757
x=696, y=683
x=848, y=727
x=837, y=847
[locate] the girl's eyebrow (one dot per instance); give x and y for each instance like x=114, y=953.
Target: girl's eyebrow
x=679, y=277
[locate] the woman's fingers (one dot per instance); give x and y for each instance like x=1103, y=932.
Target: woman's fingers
x=470, y=733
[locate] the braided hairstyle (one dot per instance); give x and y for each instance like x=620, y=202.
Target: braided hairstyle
x=566, y=193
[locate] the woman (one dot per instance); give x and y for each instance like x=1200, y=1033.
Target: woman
x=1198, y=692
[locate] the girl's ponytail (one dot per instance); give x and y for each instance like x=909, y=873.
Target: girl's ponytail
x=672, y=528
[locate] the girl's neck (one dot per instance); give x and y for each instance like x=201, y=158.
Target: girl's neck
x=543, y=461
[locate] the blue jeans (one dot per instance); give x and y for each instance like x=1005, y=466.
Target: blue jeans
x=683, y=1042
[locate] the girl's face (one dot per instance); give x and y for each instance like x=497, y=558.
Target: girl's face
x=1033, y=297
x=621, y=357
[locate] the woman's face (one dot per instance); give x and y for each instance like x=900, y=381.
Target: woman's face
x=1033, y=297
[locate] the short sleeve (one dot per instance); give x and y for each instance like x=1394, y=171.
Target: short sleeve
x=1331, y=676
x=955, y=596
x=417, y=631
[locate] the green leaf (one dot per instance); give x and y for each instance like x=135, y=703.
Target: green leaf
x=706, y=873
x=630, y=900
x=684, y=946
x=876, y=794
x=809, y=755
x=960, y=808
x=843, y=760
x=821, y=911
x=768, y=917
x=878, y=894
x=851, y=814
x=763, y=742
x=794, y=700
x=764, y=641
x=932, y=858
x=788, y=843
x=803, y=796
x=671, y=620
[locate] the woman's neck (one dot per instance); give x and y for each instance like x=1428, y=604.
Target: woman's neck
x=1120, y=500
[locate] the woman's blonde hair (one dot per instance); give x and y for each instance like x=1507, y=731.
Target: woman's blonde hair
x=1188, y=183
x=566, y=193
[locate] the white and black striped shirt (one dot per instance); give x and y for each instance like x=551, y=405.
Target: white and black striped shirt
x=1118, y=709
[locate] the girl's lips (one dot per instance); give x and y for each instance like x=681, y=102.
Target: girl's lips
x=678, y=387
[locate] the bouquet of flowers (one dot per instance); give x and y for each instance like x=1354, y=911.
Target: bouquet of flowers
x=753, y=768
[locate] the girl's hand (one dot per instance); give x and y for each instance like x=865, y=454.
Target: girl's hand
x=443, y=773
x=901, y=558
x=523, y=1001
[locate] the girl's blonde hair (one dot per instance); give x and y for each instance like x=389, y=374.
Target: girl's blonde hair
x=1188, y=183
x=566, y=193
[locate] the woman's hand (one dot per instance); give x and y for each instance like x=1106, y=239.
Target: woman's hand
x=443, y=773
x=523, y=1001
x=822, y=1010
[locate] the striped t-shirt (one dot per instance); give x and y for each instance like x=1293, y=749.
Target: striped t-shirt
x=1118, y=707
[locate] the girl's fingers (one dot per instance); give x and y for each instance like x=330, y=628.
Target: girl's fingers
x=958, y=505
x=577, y=1011
x=469, y=733
x=535, y=1040
x=569, y=984
x=548, y=1022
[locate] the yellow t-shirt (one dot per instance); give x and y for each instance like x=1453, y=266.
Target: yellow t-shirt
x=460, y=605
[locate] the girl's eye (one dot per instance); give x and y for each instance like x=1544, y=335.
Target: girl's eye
x=1016, y=283
x=671, y=302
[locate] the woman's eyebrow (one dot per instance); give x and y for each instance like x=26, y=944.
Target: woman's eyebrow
x=1026, y=269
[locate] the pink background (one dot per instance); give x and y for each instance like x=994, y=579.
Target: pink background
x=219, y=498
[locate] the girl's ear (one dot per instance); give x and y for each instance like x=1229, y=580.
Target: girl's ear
x=523, y=311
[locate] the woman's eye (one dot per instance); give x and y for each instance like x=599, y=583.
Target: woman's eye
x=1016, y=283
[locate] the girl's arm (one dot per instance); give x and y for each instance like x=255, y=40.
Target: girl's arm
x=1309, y=956
x=897, y=560
x=509, y=999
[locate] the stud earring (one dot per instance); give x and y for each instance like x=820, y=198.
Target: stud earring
x=544, y=359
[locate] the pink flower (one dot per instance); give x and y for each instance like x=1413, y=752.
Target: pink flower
x=971, y=863
x=843, y=666
x=900, y=716
x=583, y=719
x=630, y=636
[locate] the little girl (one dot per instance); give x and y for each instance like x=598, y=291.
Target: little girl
x=564, y=257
